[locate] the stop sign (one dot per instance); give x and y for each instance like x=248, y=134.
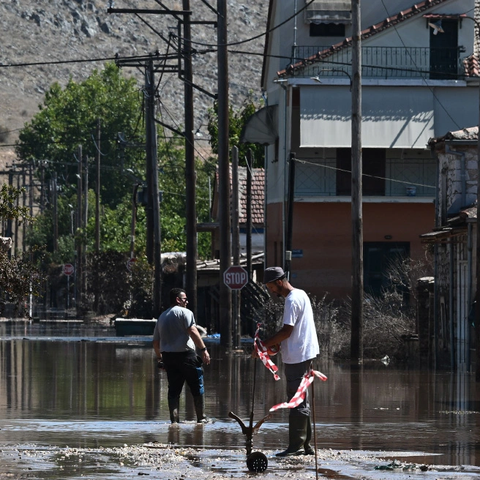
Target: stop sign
x=68, y=269
x=130, y=263
x=235, y=277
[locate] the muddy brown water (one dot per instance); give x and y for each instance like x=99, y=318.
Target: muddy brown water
x=82, y=387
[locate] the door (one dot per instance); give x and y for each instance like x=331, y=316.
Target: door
x=377, y=259
x=444, y=51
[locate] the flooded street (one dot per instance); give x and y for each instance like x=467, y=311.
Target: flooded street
x=78, y=402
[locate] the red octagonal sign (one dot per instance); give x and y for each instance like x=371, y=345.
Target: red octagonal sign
x=235, y=277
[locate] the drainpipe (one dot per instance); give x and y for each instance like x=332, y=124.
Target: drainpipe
x=265, y=190
x=450, y=306
x=469, y=292
x=432, y=353
x=285, y=150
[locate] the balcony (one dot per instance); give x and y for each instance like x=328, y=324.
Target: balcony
x=382, y=62
x=408, y=177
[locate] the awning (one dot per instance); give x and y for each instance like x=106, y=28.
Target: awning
x=330, y=11
x=392, y=117
x=261, y=127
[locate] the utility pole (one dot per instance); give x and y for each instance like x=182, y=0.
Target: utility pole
x=78, y=239
x=97, y=212
x=190, y=177
x=224, y=175
x=235, y=246
x=97, y=190
x=291, y=199
x=356, y=340
x=152, y=161
x=55, y=212
x=249, y=213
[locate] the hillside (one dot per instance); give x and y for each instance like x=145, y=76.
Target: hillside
x=44, y=32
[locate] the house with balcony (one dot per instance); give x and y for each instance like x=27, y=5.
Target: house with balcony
x=419, y=80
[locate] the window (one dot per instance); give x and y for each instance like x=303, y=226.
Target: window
x=327, y=30
x=373, y=170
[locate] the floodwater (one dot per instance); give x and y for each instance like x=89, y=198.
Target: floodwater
x=81, y=387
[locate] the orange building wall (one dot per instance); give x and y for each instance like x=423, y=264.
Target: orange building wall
x=323, y=232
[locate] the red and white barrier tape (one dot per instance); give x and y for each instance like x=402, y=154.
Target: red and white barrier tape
x=299, y=396
x=261, y=350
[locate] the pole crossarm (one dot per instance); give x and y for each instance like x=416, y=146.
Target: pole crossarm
x=197, y=87
x=147, y=11
x=169, y=127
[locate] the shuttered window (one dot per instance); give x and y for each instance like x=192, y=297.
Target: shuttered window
x=329, y=11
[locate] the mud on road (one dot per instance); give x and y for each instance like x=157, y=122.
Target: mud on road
x=162, y=461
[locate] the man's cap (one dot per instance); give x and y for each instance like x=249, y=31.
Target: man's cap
x=273, y=273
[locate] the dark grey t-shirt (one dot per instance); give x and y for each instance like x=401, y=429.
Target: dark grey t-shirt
x=171, y=330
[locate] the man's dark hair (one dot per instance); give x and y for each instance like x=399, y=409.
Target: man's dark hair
x=174, y=293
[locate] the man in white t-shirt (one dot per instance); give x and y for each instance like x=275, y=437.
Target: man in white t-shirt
x=299, y=346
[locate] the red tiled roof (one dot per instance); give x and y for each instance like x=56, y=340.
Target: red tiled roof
x=258, y=194
x=367, y=33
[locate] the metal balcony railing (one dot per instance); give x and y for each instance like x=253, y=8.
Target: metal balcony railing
x=403, y=178
x=380, y=62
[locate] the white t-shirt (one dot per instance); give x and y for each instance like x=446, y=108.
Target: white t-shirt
x=302, y=344
x=171, y=330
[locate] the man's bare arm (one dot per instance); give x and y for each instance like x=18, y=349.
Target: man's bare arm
x=280, y=336
x=197, y=340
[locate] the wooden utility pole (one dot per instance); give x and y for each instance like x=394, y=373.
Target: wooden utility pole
x=291, y=200
x=356, y=340
x=477, y=293
x=55, y=212
x=224, y=175
x=190, y=177
x=78, y=237
x=249, y=213
x=97, y=191
x=235, y=246
x=151, y=140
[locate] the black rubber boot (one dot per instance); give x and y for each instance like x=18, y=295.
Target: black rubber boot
x=297, y=436
x=173, y=407
x=308, y=449
x=200, y=409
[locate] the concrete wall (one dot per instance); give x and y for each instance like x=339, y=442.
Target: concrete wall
x=325, y=238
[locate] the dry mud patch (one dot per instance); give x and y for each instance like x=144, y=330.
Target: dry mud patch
x=162, y=461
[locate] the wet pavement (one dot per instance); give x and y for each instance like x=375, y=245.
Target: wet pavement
x=78, y=402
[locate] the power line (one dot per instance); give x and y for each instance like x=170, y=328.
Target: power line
x=343, y=170
x=263, y=34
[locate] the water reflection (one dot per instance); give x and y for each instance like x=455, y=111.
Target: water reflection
x=87, y=388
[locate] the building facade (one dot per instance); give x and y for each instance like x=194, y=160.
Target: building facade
x=418, y=82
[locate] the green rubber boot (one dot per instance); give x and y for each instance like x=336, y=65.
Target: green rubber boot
x=297, y=436
x=308, y=448
x=200, y=409
x=173, y=404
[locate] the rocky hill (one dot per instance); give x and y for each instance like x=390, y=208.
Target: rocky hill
x=38, y=35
